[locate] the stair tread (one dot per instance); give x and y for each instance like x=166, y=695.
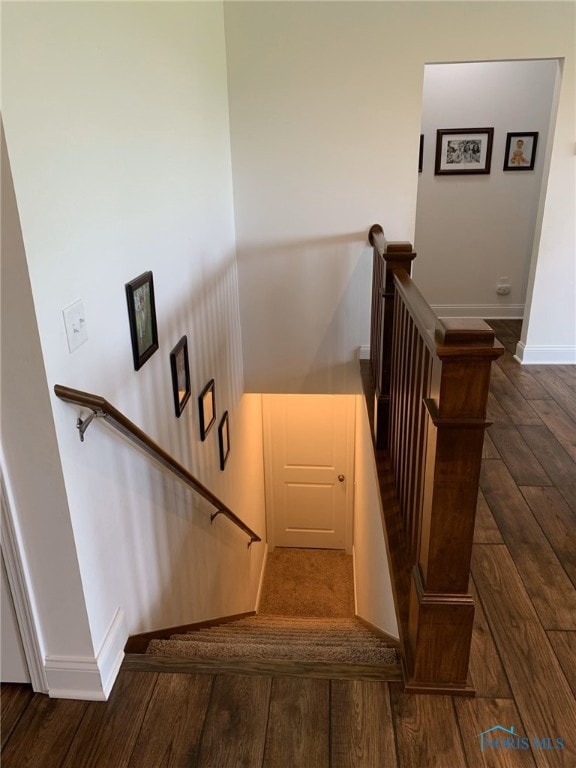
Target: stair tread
x=374, y=655
x=332, y=639
x=288, y=631
x=296, y=625
x=281, y=638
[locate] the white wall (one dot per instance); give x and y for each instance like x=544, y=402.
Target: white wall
x=471, y=230
x=116, y=119
x=325, y=109
x=29, y=459
x=374, y=601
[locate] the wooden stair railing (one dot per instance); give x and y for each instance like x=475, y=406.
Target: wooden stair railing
x=431, y=381
x=101, y=408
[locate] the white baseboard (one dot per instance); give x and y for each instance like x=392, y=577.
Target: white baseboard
x=394, y=636
x=354, y=578
x=483, y=311
x=532, y=355
x=89, y=678
x=111, y=651
x=261, y=580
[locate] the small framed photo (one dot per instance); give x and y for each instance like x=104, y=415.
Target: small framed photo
x=421, y=153
x=520, y=153
x=180, y=375
x=207, y=408
x=142, y=318
x=463, y=151
x=224, y=440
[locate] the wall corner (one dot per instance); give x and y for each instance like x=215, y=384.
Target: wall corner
x=85, y=677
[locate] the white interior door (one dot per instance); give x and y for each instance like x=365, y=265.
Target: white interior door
x=309, y=463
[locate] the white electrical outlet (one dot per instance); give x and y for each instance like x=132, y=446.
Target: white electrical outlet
x=503, y=286
x=75, y=324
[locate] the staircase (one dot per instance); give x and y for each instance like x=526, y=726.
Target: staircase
x=315, y=647
x=326, y=641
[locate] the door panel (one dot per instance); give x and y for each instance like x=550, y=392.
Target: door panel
x=310, y=507
x=309, y=464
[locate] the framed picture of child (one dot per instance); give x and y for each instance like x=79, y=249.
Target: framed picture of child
x=520, y=151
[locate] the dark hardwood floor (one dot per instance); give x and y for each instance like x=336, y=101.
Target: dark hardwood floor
x=523, y=661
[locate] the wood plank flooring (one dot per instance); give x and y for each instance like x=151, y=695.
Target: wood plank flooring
x=523, y=658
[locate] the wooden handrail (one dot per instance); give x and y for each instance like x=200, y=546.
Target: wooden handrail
x=431, y=387
x=423, y=314
x=390, y=259
x=100, y=407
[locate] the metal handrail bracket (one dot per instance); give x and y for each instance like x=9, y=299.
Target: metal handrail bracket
x=83, y=424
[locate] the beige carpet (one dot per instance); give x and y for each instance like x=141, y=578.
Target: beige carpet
x=308, y=582
x=306, y=614
x=281, y=639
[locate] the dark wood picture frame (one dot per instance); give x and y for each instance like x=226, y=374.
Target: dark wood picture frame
x=421, y=154
x=520, y=157
x=142, y=318
x=224, y=439
x=207, y=409
x=463, y=151
x=180, y=367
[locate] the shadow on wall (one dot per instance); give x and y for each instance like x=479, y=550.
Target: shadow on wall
x=207, y=315
x=305, y=311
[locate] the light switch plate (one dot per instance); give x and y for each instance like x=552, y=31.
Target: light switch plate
x=75, y=323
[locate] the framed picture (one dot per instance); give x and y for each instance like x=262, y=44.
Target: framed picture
x=207, y=408
x=463, y=150
x=180, y=375
x=142, y=318
x=520, y=151
x=224, y=440
x=421, y=153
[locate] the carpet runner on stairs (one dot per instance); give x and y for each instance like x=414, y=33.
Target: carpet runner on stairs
x=278, y=638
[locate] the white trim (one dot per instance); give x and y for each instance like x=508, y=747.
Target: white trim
x=13, y=664
x=74, y=677
x=89, y=677
x=350, y=470
x=354, y=575
x=268, y=490
x=261, y=579
x=111, y=652
x=531, y=355
x=21, y=592
x=490, y=311
x=364, y=352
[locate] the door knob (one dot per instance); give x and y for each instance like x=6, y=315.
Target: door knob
x=341, y=478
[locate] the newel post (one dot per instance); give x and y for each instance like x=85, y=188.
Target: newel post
x=441, y=609
x=389, y=257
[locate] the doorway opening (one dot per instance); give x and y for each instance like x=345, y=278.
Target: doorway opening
x=322, y=497
x=477, y=234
